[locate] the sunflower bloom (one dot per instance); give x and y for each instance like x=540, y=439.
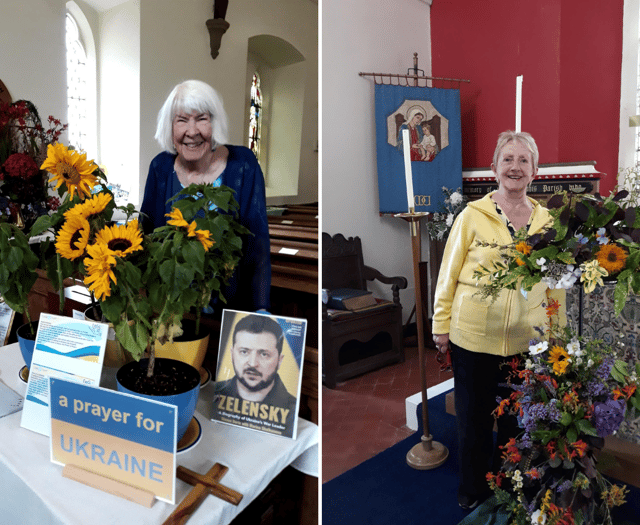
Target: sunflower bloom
x=559, y=358
x=204, y=236
x=612, y=258
x=191, y=229
x=176, y=219
x=99, y=266
x=73, y=238
x=71, y=168
x=523, y=248
x=90, y=207
x=121, y=240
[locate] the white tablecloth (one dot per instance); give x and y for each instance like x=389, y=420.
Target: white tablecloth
x=33, y=491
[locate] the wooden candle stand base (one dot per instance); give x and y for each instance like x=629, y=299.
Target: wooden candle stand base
x=204, y=485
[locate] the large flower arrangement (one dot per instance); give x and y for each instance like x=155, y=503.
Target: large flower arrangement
x=24, y=194
x=590, y=239
x=144, y=283
x=568, y=394
x=439, y=224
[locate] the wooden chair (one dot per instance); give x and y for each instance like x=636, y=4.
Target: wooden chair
x=360, y=341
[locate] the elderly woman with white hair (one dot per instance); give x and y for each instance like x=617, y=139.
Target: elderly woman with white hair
x=482, y=336
x=192, y=131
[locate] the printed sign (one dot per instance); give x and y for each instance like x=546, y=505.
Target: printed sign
x=116, y=435
x=6, y=320
x=260, y=372
x=65, y=348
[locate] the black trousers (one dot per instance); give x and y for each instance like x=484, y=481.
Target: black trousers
x=477, y=383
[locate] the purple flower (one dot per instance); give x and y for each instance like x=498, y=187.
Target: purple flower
x=605, y=367
x=565, y=485
x=607, y=416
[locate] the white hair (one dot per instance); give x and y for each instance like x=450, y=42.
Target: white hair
x=189, y=96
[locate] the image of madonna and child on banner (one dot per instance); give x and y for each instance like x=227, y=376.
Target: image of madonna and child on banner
x=432, y=117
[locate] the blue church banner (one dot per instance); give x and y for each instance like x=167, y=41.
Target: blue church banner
x=432, y=116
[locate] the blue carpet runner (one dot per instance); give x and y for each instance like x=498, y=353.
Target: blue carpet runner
x=384, y=490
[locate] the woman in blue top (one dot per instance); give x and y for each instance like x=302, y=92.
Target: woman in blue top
x=192, y=131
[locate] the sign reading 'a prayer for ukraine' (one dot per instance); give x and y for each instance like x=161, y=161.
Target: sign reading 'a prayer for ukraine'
x=116, y=435
x=432, y=118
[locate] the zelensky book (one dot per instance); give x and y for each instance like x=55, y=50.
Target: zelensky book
x=259, y=372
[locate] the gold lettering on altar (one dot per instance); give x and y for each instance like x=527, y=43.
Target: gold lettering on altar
x=422, y=200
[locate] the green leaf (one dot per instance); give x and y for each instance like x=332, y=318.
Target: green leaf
x=572, y=435
x=619, y=371
x=566, y=419
x=585, y=427
x=620, y=296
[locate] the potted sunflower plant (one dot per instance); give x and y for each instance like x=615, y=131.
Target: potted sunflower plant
x=144, y=284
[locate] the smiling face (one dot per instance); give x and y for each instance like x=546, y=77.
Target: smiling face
x=192, y=135
x=256, y=360
x=514, y=170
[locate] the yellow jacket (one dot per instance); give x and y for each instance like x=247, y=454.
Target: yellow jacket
x=506, y=326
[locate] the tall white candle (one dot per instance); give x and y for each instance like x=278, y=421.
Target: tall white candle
x=519, y=103
x=406, y=146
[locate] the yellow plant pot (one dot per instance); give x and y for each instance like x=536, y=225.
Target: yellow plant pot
x=187, y=351
x=115, y=355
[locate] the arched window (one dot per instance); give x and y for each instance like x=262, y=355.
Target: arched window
x=77, y=90
x=255, y=115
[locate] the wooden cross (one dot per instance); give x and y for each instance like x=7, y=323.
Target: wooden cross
x=204, y=485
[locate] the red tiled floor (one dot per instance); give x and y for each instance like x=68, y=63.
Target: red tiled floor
x=366, y=415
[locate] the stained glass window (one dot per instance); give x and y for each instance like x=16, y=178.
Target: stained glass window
x=77, y=72
x=255, y=115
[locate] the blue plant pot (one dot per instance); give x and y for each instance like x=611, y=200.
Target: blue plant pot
x=27, y=341
x=187, y=395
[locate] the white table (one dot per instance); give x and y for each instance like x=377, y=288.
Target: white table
x=33, y=491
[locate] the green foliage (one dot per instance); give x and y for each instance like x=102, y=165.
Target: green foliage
x=18, y=268
x=174, y=274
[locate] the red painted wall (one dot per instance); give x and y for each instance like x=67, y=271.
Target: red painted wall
x=569, y=53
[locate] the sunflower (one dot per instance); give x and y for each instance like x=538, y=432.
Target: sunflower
x=612, y=258
x=121, y=240
x=204, y=236
x=72, y=168
x=90, y=207
x=177, y=219
x=73, y=238
x=191, y=229
x=559, y=358
x=99, y=265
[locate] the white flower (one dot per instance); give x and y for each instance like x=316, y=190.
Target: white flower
x=538, y=518
x=450, y=220
x=539, y=348
x=540, y=262
x=574, y=348
x=590, y=363
x=456, y=198
x=528, y=364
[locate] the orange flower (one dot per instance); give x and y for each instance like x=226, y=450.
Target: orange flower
x=520, y=262
x=501, y=408
x=523, y=248
x=511, y=453
x=534, y=473
x=580, y=447
x=553, y=308
x=612, y=258
x=625, y=392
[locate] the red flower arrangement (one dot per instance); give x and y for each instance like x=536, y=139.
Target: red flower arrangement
x=24, y=188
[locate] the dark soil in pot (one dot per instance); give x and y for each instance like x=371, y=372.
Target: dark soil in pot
x=170, y=377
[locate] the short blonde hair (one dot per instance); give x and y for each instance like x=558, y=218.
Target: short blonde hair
x=188, y=96
x=524, y=138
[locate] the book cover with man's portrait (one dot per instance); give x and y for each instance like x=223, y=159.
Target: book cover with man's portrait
x=259, y=372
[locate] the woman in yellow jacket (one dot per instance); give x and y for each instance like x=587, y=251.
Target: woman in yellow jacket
x=482, y=335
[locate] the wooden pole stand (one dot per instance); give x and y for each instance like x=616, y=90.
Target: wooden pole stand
x=427, y=454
